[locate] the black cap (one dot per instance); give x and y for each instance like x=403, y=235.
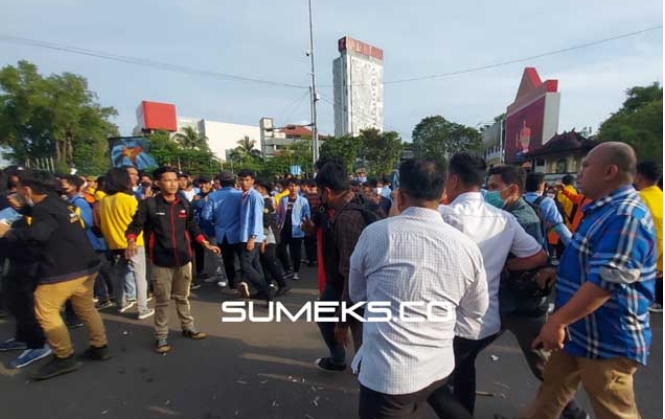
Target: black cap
x=226, y=176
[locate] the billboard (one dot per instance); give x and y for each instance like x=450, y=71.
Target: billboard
x=131, y=151
x=156, y=116
x=524, y=131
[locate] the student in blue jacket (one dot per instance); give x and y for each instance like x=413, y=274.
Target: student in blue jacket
x=292, y=211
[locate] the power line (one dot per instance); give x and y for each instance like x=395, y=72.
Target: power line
x=514, y=61
x=532, y=57
x=143, y=62
x=294, y=107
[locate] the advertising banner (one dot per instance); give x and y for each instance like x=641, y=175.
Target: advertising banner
x=131, y=151
x=524, y=131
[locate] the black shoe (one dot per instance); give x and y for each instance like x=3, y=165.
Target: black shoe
x=97, y=354
x=283, y=290
x=57, y=366
x=327, y=364
x=104, y=304
x=288, y=275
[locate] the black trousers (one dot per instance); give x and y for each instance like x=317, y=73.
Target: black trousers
x=272, y=266
x=375, y=405
x=251, y=268
x=310, y=249
x=295, y=250
x=19, y=290
x=463, y=379
x=229, y=253
x=199, y=259
x=659, y=291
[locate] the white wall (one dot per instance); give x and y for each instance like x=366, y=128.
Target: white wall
x=223, y=136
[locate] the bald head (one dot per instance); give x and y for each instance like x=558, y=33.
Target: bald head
x=607, y=167
x=620, y=155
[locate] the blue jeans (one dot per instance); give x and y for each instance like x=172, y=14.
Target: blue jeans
x=132, y=279
x=337, y=351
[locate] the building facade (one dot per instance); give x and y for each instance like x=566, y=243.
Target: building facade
x=562, y=155
x=358, y=87
x=493, y=140
x=222, y=137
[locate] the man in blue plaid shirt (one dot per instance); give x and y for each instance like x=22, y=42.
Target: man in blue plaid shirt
x=600, y=331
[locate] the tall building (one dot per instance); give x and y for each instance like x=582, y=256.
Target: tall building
x=222, y=137
x=358, y=87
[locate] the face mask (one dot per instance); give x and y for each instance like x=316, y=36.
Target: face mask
x=361, y=179
x=494, y=199
x=378, y=190
x=551, y=195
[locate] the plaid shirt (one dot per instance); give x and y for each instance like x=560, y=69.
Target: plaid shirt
x=615, y=249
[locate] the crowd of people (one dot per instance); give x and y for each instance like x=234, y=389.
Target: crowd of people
x=497, y=244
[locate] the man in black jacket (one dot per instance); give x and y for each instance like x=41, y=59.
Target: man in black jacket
x=67, y=268
x=170, y=225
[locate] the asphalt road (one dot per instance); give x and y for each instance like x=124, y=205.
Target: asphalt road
x=243, y=370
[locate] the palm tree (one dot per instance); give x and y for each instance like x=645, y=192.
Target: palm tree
x=246, y=151
x=189, y=139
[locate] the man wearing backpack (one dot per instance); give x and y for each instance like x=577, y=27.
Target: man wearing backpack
x=172, y=228
x=339, y=239
x=523, y=306
x=546, y=208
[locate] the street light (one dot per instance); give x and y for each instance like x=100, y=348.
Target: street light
x=310, y=53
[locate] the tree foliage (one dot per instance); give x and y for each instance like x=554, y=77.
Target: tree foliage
x=55, y=117
x=639, y=122
x=381, y=150
x=179, y=151
x=437, y=138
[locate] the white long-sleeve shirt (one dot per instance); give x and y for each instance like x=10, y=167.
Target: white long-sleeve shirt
x=414, y=257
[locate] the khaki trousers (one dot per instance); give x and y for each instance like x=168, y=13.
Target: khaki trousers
x=50, y=298
x=608, y=382
x=172, y=284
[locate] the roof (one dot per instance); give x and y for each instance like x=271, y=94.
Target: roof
x=297, y=131
x=565, y=142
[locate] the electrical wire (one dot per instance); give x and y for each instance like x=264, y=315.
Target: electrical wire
x=143, y=62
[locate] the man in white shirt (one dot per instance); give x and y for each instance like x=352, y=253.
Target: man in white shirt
x=497, y=234
x=413, y=258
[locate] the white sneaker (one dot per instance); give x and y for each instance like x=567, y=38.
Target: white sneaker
x=296, y=277
x=146, y=314
x=656, y=308
x=243, y=290
x=127, y=306
x=222, y=284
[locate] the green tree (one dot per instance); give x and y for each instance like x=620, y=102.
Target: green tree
x=437, y=138
x=246, y=151
x=639, y=122
x=55, y=117
x=349, y=148
x=381, y=150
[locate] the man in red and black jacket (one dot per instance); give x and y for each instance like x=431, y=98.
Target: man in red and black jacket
x=169, y=219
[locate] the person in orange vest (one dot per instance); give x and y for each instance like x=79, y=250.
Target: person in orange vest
x=575, y=198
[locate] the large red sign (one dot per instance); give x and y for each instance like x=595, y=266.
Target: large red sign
x=157, y=116
x=524, y=130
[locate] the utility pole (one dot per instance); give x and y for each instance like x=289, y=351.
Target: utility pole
x=315, y=129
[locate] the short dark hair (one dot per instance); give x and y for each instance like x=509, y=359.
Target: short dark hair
x=510, y=175
x=422, y=179
x=333, y=175
x=263, y=184
x=292, y=181
x=157, y=174
x=568, y=180
x=246, y=173
x=40, y=181
x=75, y=181
x=372, y=183
x=323, y=160
x=533, y=181
x=117, y=181
x=650, y=170
x=469, y=168
x=311, y=183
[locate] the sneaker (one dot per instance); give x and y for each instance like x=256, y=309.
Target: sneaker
x=656, y=308
x=55, y=367
x=211, y=280
x=104, y=305
x=327, y=364
x=194, y=334
x=283, y=290
x=162, y=346
x=95, y=299
x=73, y=324
x=243, y=290
x=12, y=345
x=194, y=286
x=146, y=314
x=222, y=284
x=29, y=356
x=296, y=276
x=127, y=306
x=288, y=275
x=149, y=299
x=97, y=354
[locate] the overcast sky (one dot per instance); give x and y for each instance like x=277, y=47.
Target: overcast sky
x=266, y=39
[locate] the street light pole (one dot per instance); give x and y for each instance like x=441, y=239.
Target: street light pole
x=315, y=130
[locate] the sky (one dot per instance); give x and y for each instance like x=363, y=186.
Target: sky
x=267, y=40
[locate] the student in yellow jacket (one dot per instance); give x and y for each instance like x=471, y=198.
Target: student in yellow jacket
x=116, y=212
x=646, y=181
